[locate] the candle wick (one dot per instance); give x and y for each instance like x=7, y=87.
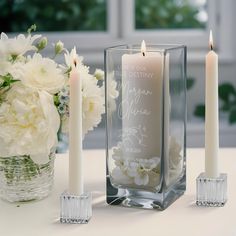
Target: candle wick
x=144, y=54
x=211, y=47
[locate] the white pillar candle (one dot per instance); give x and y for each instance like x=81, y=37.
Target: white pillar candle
x=75, y=134
x=142, y=89
x=211, y=113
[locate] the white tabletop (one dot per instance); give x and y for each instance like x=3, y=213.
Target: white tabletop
x=181, y=218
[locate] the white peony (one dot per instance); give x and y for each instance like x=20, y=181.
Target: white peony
x=18, y=45
x=42, y=73
x=29, y=122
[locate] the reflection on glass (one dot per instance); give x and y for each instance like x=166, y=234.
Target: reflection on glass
x=52, y=15
x=171, y=14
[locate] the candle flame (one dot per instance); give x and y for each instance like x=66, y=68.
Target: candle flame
x=211, y=40
x=143, y=48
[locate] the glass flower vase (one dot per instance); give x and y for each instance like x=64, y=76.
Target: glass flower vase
x=145, y=125
x=22, y=180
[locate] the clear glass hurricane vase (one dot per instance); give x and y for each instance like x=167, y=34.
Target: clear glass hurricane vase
x=146, y=125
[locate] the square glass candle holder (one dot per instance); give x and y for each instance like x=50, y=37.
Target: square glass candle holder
x=75, y=209
x=211, y=191
x=145, y=125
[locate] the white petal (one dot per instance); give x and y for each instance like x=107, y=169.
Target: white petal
x=141, y=179
x=120, y=177
x=4, y=37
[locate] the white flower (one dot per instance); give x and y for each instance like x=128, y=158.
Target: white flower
x=42, y=73
x=139, y=174
x=93, y=102
x=29, y=122
x=18, y=45
x=72, y=59
x=149, y=164
x=120, y=176
x=117, y=155
x=5, y=66
x=141, y=169
x=92, y=95
x=112, y=92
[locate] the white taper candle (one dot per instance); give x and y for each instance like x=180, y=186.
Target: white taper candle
x=75, y=134
x=211, y=116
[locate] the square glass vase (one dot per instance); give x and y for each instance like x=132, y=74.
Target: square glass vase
x=145, y=125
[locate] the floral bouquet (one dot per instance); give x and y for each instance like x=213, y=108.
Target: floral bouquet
x=34, y=107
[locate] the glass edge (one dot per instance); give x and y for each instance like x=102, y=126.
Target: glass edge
x=136, y=47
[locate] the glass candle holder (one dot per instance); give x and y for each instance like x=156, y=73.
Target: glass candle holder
x=211, y=191
x=145, y=125
x=75, y=209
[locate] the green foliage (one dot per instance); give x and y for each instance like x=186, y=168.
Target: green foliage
x=200, y=111
x=5, y=84
x=190, y=83
x=52, y=15
x=56, y=100
x=6, y=81
x=163, y=14
x=86, y=15
x=227, y=96
x=232, y=116
x=226, y=91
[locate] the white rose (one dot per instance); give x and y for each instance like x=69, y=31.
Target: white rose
x=42, y=73
x=29, y=123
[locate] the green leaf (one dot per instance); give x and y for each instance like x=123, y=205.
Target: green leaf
x=7, y=80
x=232, y=116
x=225, y=91
x=200, y=111
x=190, y=83
x=56, y=100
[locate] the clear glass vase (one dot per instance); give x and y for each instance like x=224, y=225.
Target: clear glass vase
x=23, y=180
x=146, y=125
